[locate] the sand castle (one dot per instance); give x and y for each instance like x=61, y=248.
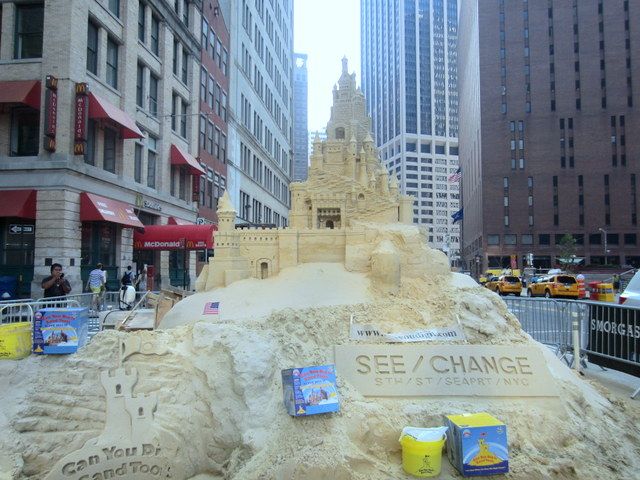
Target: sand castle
x=342, y=213
x=201, y=398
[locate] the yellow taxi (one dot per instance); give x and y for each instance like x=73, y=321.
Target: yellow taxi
x=505, y=284
x=555, y=286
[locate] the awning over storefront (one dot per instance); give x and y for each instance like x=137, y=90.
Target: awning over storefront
x=178, y=221
x=26, y=92
x=96, y=208
x=18, y=203
x=102, y=109
x=174, y=237
x=180, y=157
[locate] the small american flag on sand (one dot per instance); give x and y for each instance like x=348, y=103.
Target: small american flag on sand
x=211, y=308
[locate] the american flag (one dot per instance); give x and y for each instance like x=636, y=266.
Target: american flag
x=211, y=308
x=455, y=177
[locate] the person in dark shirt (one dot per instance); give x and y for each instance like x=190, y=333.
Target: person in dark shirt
x=55, y=285
x=127, y=277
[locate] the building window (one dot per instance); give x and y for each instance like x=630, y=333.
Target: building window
x=155, y=35
x=153, y=95
x=141, y=22
x=112, y=63
x=25, y=132
x=109, y=162
x=493, y=239
x=183, y=120
x=176, y=50
x=140, y=85
x=185, y=65
x=29, y=25
x=114, y=7
x=151, y=162
x=174, y=112
x=223, y=148
x=137, y=163
x=92, y=48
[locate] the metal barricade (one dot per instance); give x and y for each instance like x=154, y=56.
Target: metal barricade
x=23, y=311
x=548, y=321
x=16, y=312
x=606, y=333
x=613, y=337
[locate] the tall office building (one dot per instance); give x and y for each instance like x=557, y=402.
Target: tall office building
x=409, y=77
x=300, y=132
x=261, y=108
x=550, y=93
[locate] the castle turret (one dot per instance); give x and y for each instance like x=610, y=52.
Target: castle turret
x=393, y=187
x=362, y=174
x=226, y=214
x=350, y=165
x=316, y=156
x=383, y=181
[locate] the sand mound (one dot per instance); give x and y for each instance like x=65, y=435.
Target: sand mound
x=219, y=397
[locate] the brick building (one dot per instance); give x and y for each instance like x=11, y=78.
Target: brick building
x=98, y=134
x=549, y=98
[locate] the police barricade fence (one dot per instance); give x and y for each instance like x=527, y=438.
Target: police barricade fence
x=23, y=311
x=607, y=333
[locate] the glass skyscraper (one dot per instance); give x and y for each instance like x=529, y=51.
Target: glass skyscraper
x=409, y=78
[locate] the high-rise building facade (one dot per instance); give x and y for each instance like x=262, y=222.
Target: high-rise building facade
x=98, y=135
x=261, y=108
x=549, y=95
x=214, y=94
x=409, y=77
x=300, y=119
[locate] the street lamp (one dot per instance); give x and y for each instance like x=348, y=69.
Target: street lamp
x=604, y=234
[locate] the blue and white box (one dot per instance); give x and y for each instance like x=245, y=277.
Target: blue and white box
x=60, y=330
x=310, y=390
x=477, y=444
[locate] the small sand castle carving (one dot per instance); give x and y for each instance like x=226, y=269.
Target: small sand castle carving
x=344, y=213
x=128, y=445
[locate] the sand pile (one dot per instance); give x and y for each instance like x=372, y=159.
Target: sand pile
x=219, y=407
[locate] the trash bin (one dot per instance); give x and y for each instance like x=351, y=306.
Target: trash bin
x=8, y=286
x=605, y=292
x=593, y=290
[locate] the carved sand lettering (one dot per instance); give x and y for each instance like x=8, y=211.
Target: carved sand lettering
x=429, y=370
x=72, y=467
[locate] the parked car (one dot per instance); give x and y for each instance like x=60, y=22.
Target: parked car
x=504, y=285
x=555, y=286
x=631, y=295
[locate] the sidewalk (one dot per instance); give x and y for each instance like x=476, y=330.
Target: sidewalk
x=621, y=385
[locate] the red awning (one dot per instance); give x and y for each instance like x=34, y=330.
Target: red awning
x=18, y=203
x=26, y=92
x=174, y=237
x=96, y=208
x=101, y=108
x=180, y=157
x=178, y=221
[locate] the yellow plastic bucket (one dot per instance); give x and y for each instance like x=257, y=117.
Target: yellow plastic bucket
x=15, y=340
x=422, y=459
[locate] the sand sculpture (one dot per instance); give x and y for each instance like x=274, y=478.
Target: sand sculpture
x=201, y=398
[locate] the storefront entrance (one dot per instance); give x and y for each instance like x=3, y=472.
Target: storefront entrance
x=17, y=239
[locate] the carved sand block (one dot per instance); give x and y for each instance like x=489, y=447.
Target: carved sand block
x=128, y=446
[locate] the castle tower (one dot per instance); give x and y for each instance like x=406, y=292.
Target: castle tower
x=228, y=265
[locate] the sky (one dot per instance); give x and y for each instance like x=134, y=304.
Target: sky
x=326, y=31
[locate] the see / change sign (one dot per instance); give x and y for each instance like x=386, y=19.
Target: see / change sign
x=445, y=370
